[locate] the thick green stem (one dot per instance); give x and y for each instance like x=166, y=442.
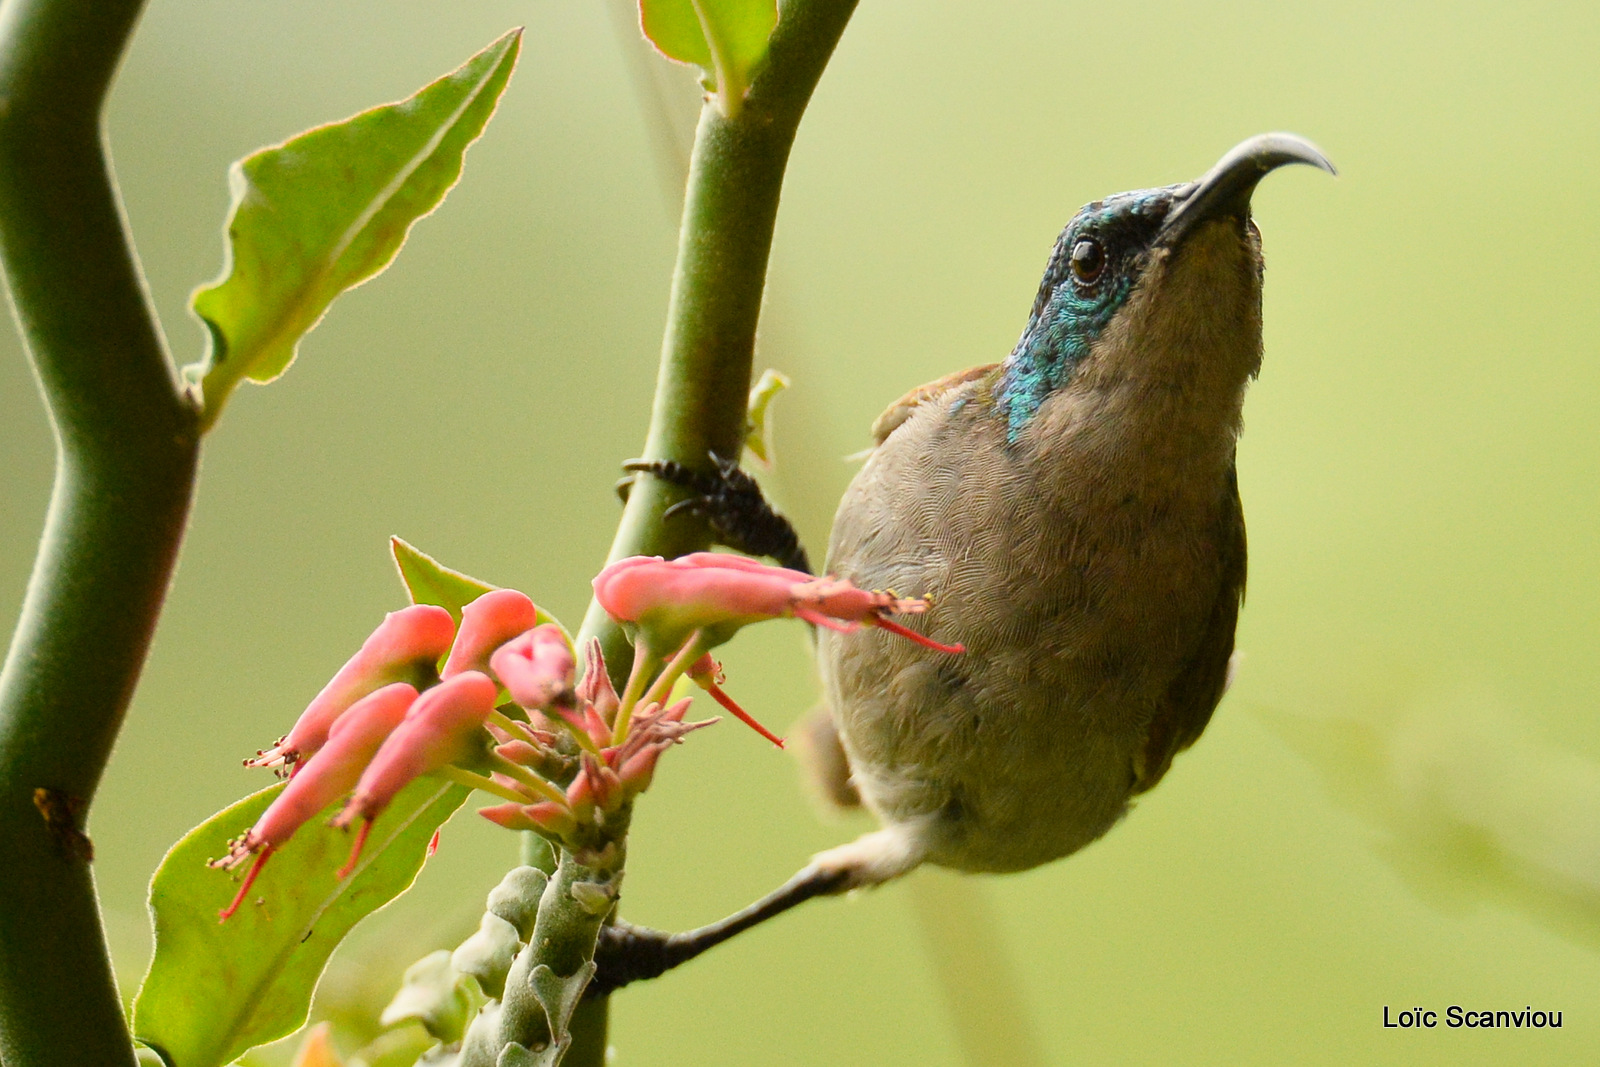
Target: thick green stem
x=730, y=207
x=547, y=979
x=729, y=211
x=127, y=448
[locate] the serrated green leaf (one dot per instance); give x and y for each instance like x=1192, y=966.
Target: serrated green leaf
x=216, y=989
x=428, y=581
x=727, y=39
x=329, y=209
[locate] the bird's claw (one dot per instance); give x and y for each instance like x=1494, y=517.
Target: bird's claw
x=730, y=502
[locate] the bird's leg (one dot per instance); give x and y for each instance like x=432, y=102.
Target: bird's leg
x=627, y=953
x=733, y=506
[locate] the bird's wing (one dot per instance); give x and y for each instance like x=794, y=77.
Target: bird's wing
x=1194, y=693
x=901, y=409
x=825, y=763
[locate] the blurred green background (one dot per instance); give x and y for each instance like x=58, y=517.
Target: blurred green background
x=1399, y=803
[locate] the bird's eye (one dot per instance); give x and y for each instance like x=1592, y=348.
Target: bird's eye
x=1088, y=260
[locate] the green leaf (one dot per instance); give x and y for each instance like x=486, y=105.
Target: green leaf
x=757, y=430
x=428, y=581
x=435, y=994
x=325, y=211
x=216, y=989
x=726, y=39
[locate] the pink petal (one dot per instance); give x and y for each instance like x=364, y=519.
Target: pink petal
x=405, y=647
x=671, y=598
x=336, y=768
x=536, y=668
x=440, y=728
x=715, y=594
x=546, y=816
x=351, y=743
x=596, y=689
x=487, y=623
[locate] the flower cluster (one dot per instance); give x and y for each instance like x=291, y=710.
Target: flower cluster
x=390, y=715
x=506, y=715
x=611, y=771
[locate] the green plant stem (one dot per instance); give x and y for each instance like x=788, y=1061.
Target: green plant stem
x=703, y=385
x=590, y=1029
x=127, y=449
x=729, y=210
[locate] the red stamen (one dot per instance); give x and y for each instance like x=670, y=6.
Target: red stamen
x=433, y=844
x=916, y=638
x=739, y=713
x=355, y=853
x=249, y=880
x=816, y=618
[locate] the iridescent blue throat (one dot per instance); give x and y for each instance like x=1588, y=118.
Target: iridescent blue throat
x=1056, y=341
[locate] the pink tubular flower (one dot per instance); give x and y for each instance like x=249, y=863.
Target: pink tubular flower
x=573, y=767
x=441, y=727
x=536, y=668
x=546, y=817
x=716, y=594
x=352, y=742
x=405, y=647
x=487, y=623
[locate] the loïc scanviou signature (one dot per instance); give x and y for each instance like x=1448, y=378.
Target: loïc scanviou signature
x=1456, y=1016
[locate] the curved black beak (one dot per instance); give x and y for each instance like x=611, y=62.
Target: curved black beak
x=1227, y=187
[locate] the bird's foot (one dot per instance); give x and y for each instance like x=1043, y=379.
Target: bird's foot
x=627, y=953
x=874, y=858
x=731, y=503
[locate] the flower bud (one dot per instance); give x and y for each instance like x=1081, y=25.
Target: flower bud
x=596, y=690
x=546, y=817
x=655, y=730
x=406, y=647
x=352, y=742
x=536, y=668
x=442, y=727
x=487, y=623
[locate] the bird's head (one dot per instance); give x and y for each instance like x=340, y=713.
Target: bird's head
x=1157, y=288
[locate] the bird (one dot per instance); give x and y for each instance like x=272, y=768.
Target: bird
x=1072, y=516
x=1072, y=513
